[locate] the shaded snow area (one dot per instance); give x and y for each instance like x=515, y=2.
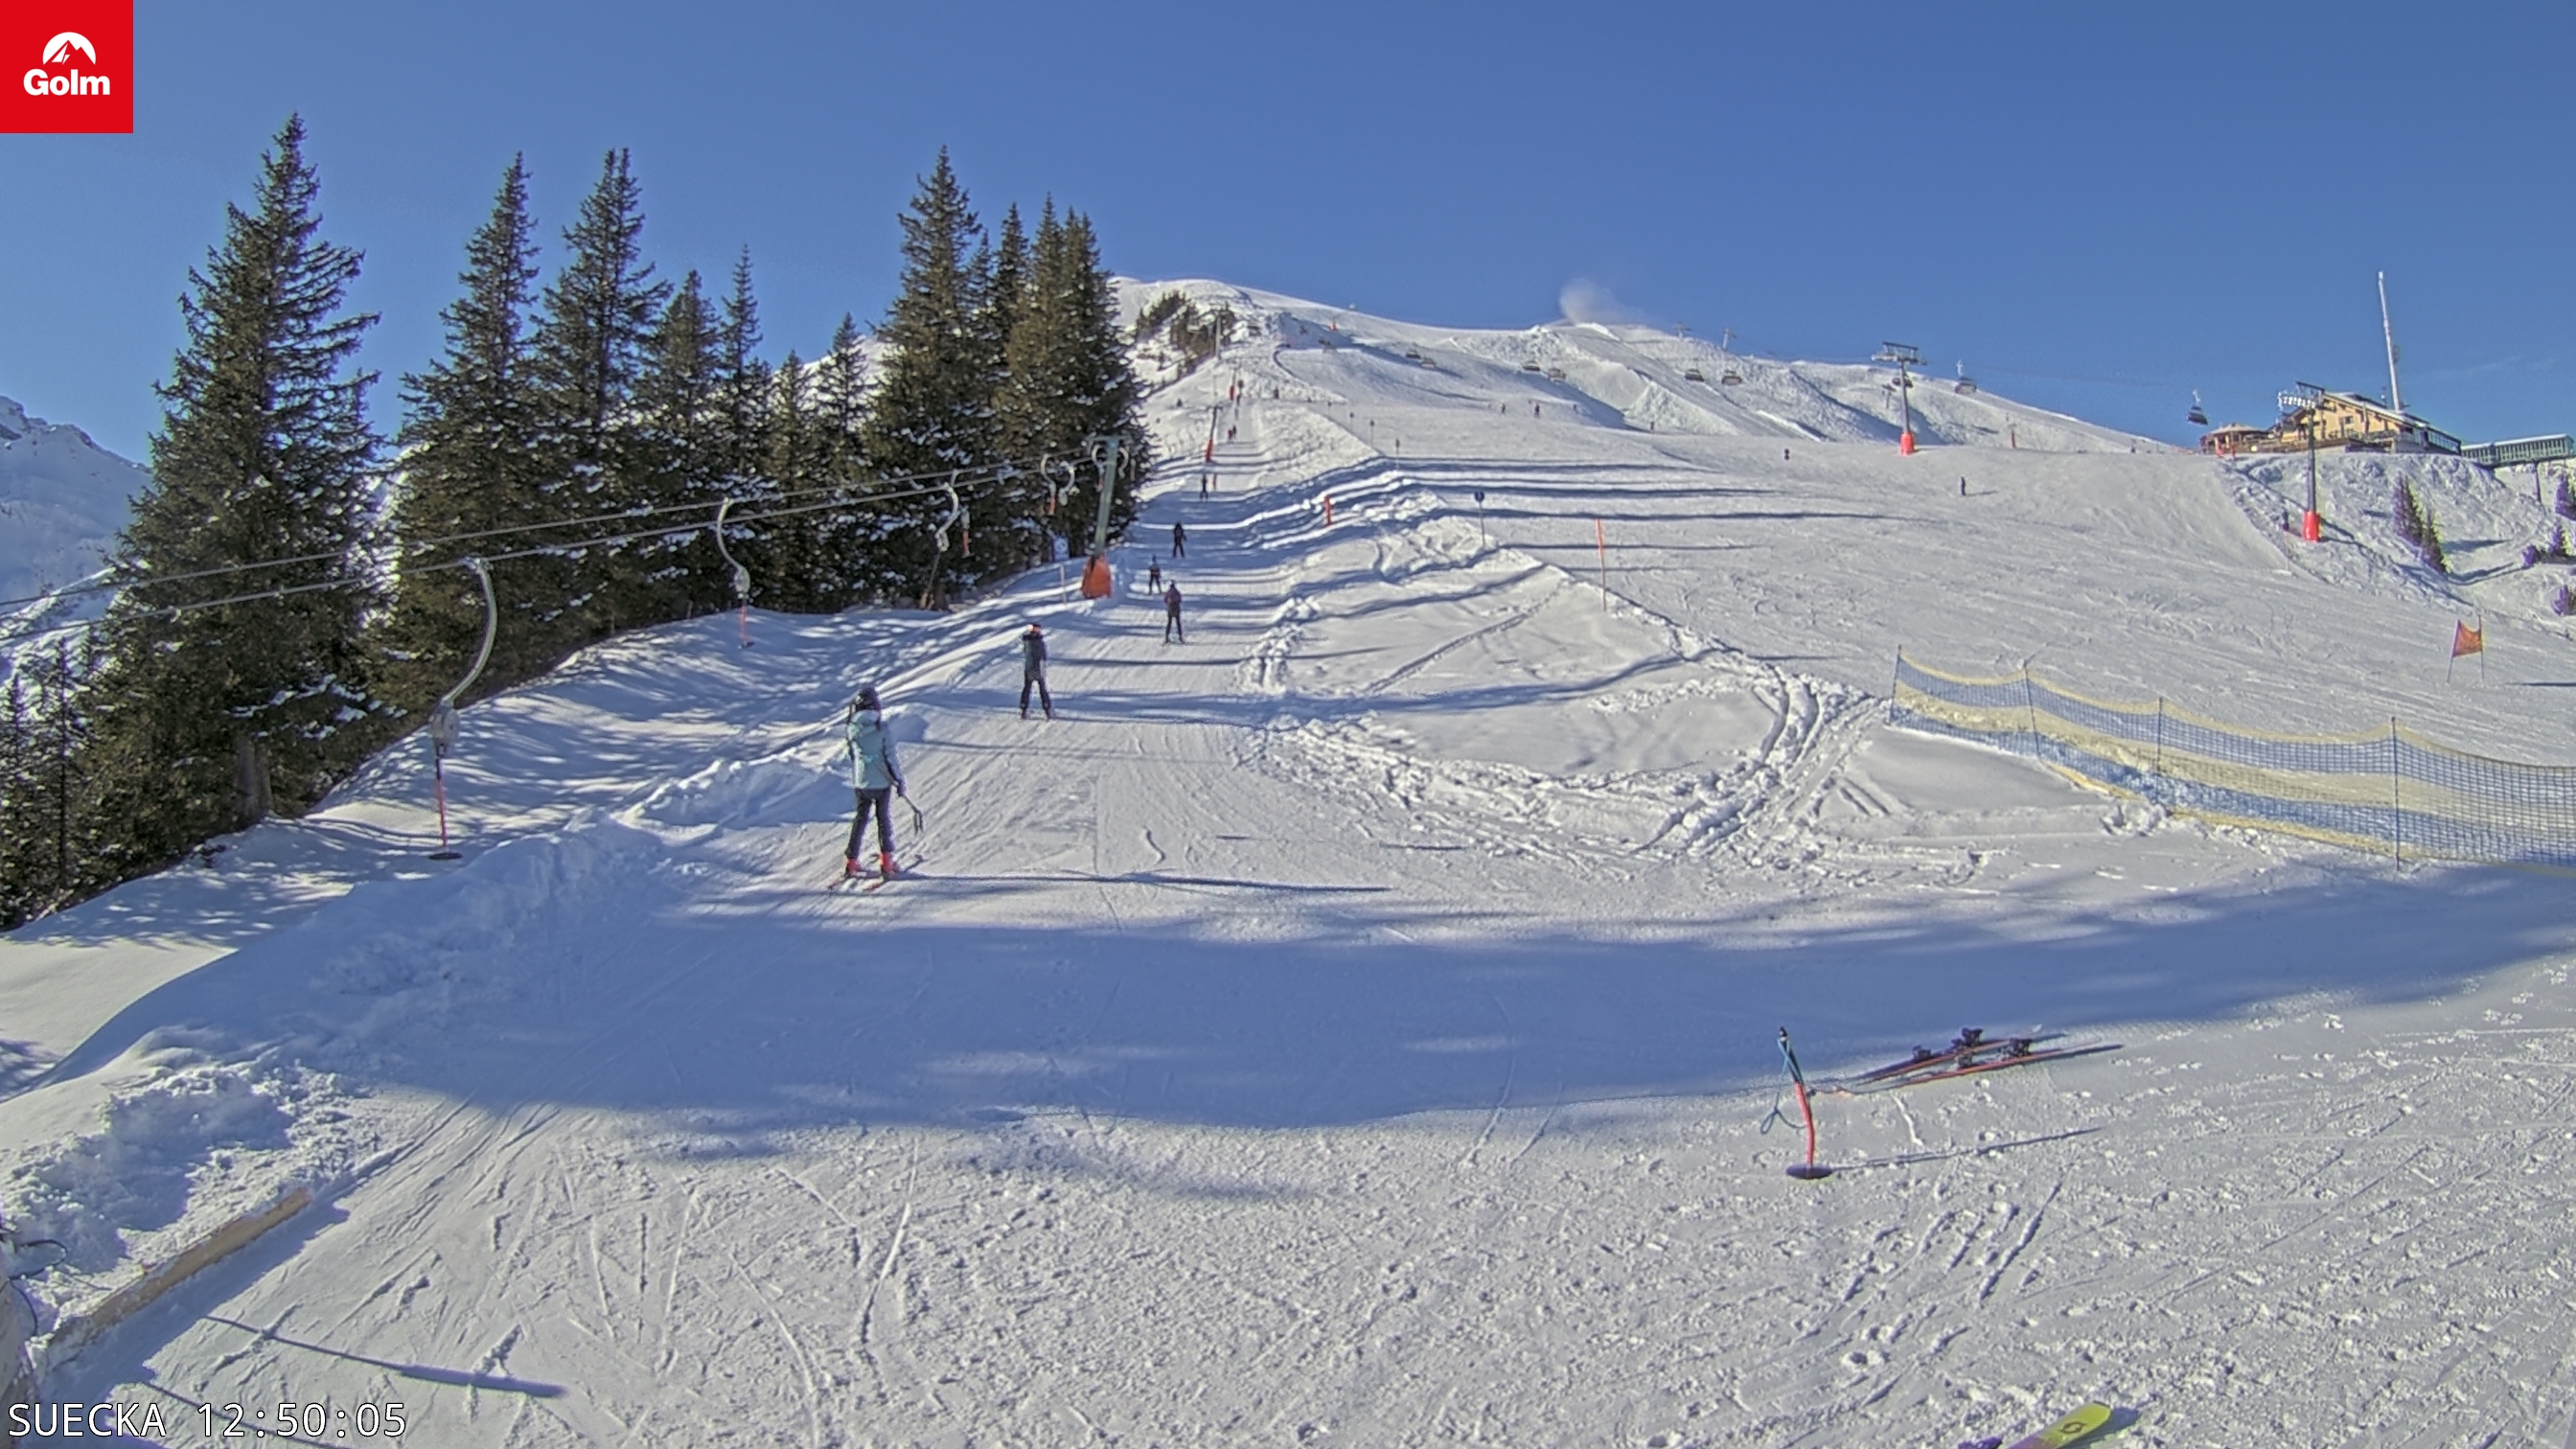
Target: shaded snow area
x=1357, y=1024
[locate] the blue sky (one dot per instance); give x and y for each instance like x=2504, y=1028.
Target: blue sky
x=2096, y=208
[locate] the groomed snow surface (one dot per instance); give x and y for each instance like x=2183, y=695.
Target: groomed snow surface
x=1356, y=1025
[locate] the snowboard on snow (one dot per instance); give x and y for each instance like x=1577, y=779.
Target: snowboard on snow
x=2080, y=1425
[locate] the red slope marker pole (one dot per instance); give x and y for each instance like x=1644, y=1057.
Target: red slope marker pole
x=1809, y=1170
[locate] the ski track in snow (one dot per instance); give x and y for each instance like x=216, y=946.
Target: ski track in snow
x=1354, y=1025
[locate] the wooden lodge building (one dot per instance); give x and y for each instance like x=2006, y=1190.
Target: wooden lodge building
x=2312, y=416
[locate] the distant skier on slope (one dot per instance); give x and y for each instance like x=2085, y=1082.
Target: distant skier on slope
x=1172, y=615
x=1180, y=541
x=1154, y=574
x=874, y=775
x=1033, y=671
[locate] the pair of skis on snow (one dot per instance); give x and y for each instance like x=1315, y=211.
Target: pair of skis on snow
x=2080, y=1425
x=1968, y=1054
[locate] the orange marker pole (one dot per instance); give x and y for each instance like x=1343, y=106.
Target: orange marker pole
x=1809, y=1170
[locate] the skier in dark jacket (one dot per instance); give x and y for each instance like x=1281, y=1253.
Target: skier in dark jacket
x=1180, y=542
x=1172, y=614
x=874, y=775
x=1033, y=671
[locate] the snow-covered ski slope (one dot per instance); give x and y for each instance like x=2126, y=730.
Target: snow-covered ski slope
x=1356, y=1025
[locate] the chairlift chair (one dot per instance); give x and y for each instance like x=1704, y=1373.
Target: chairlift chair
x=1532, y=367
x=2198, y=416
x=1730, y=378
x=1694, y=375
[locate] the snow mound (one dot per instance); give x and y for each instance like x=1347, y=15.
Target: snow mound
x=181, y=1140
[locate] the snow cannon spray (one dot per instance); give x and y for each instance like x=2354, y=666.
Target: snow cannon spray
x=1810, y=1169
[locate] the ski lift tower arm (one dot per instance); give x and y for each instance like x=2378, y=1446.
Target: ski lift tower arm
x=1096, y=583
x=741, y=575
x=1104, y=453
x=442, y=716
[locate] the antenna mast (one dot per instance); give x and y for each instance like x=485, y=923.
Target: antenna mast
x=2388, y=334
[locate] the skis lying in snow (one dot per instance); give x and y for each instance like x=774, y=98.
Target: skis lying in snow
x=1971, y=1053
x=2006, y=1058
x=1969, y=1041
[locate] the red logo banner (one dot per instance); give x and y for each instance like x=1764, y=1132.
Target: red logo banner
x=67, y=65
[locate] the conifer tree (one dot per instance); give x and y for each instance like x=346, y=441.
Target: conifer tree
x=205, y=717
x=840, y=404
x=472, y=463
x=15, y=845
x=677, y=393
x=679, y=455
x=842, y=536
x=590, y=346
x=1007, y=293
x=742, y=380
x=2415, y=525
x=49, y=855
x=932, y=412
x=1069, y=379
x=803, y=570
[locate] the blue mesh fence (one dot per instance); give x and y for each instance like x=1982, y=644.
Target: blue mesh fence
x=2389, y=790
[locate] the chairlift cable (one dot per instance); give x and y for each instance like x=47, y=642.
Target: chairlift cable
x=571, y=546
x=994, y=473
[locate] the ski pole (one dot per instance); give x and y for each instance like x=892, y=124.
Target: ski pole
x=1810, y=1169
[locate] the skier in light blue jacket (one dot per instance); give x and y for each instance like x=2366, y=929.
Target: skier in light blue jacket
x=874, y=775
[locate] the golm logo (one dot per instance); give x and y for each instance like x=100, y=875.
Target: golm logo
x=60, y=50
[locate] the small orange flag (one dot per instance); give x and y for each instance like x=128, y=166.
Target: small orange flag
x=2465, y=640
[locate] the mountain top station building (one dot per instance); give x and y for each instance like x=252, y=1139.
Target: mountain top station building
x=2313, y=416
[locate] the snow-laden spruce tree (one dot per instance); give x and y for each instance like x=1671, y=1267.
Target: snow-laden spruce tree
x=472, y=462
x=591, y=343
x=252, y=694
x=933, y=407
x=1068, y=379
x=2415, y=524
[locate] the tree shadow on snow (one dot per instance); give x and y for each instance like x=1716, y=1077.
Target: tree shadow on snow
x=793, y=1008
